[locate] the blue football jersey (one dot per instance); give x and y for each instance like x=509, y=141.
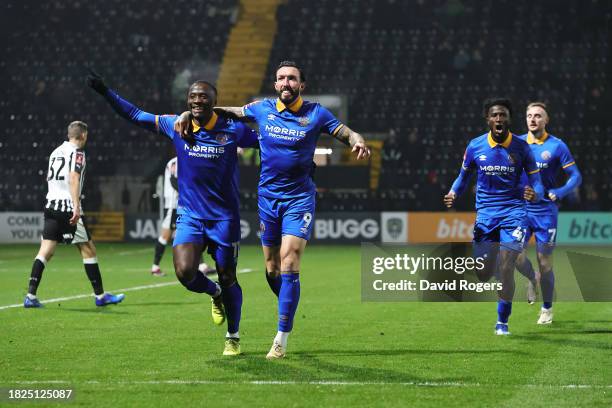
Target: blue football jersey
x=551, y=155
x=499, y=167
x=287, y=140
x=208, y=176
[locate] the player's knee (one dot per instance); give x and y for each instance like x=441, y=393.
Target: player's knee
x=184, y=271
x=88, y=250
x=545, y=264
x=165, y=234
x=227, y=277
x=45, y=254
x=521, y=258
x=290, y=262
x=273, y=267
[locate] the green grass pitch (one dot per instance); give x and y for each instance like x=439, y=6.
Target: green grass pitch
x=160, y=348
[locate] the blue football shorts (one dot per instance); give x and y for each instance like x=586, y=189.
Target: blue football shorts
x=285, y=216
x=222, y=238
x=544, y=228
x=509, y=231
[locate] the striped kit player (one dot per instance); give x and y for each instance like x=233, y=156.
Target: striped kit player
x=66, y=172
x=168, y=223
x=63, y=221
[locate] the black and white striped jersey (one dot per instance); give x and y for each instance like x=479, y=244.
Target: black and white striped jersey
x=65, y=159
x=170, y=194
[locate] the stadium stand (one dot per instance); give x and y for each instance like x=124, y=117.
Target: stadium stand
x=415, y=70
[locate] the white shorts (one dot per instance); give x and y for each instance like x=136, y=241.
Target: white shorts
x=169, y=221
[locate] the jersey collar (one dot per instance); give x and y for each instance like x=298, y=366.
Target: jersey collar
x=208, y=126
x=293, y=106
x=531, y=139
x=505, y=143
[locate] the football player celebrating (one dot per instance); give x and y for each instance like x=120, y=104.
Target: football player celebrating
x=208, y=200
x=289, y=128
x=551, y=155
x=498, y=157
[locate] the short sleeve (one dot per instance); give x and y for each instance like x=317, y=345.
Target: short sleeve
x=251, y=110
x=247, y=137
x=328, y=122
x=164, y=124
x=79, y=161
x=565, y=157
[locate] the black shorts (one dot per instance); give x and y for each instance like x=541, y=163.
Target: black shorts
x=57, y=228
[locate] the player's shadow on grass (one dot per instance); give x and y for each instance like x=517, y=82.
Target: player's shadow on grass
x=399, y=352
x=113, y=311
x=560, y=341
x=577, y=327
x=581, y=322
x=130, y=305
x=307, y=366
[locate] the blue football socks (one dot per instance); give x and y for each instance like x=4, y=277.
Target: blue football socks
x=504, y=309
x=232, y=301
x=547, y=284
x=201, y=284
x=288, y=299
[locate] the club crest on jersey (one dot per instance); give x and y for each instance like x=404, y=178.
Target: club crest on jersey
x=511, y=158
x=545, y=155
x=222, y=139
x=304, y=121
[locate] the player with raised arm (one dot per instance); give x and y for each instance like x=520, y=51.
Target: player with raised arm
x=289, y=128
x=551, y=155
x=498, y=157
x=63, y=216
x=168, y=223
x=208, y=201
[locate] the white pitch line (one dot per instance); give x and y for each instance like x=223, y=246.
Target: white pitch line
x=132, y=289
x=448, y=384
x=134, y=251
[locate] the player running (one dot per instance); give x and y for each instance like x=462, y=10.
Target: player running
x=208, y=201
x=499, y=158
x=289, y=128
x=63, y=216
x=168, y=223
x=551, y=155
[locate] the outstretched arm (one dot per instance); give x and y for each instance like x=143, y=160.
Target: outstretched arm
x=124, y=108
x=353, y=139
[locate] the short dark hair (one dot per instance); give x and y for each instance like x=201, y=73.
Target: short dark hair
x=201, y=81
x=496, y=101
x=291, y=64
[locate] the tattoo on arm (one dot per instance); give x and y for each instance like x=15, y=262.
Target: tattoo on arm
x=347, y=136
